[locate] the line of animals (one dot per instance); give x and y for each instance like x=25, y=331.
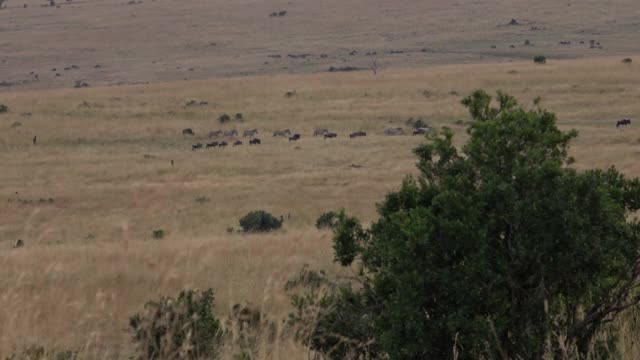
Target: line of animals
x=324, y=133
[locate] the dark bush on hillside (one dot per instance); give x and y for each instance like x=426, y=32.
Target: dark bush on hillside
x=539, y=59
x=224, y=118
x=182, y=328
x=499, y=250
x=157, y=234
x=3, y=108
x=327, y=220
x=260, y=221
x=239, y=117
x=417, y=123
x=627, y=61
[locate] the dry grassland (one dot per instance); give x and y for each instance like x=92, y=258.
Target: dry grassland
x=103, y=156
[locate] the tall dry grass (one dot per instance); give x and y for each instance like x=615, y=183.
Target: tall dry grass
x=103, y=156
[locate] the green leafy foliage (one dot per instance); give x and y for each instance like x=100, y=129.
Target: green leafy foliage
x=224, y=118
x=539, y=59
x=260, y=221
x=158, y=234
x=3, y=108
x=499, y=249
x=327, y=220
x=182, y=328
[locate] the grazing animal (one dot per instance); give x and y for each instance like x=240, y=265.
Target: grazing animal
x=222, y=144
x=320, y=132
x=623, y=122
x=421, y=131
x=188, y=132
x=295, y=137
x=233, y=132
x=215, y=133
x=283, y=133
x=250, y=133
x=254, y=142
x=35, y=140
x=330, y=135
x=19, y=244
x=212, y=144
x=393, y=131
x=237, y=142
x=197, y=146
x=171, y=162
x=357, y=134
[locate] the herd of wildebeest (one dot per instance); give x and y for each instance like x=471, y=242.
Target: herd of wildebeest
x=287, y=133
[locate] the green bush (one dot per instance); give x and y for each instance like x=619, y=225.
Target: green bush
x=260, y=221
x=539, y=59
x=627, y=61
x=417, y=123
x=224, y=118
x=157, y=234
x=239, y=117
x=183, y=328
x=3, y=108
x=327, y=220
x=501, y=249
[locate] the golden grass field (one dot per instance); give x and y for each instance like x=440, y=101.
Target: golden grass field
x=103, y=156
x=167, y=40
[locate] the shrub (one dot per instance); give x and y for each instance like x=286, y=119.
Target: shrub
x=501, y=249
x=260, y=221
x=627, y=61
x=239, y=117
x=327, y=220
x=417, y=123
x=157, y=234
x=539, y=59
x=224, y=118
x=182, y=328
x=3, y=108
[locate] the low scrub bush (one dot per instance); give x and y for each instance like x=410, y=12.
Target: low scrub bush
x=224, y=118
x=327, y=220
x=260, y=221
x=182, y=328
x=157, y=234
x=3, y=108
x=539, y=59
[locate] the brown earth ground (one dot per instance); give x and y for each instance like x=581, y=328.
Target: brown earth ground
x=110, y=42
x=104, y=159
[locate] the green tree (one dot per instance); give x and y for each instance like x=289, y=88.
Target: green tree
x=499, y=249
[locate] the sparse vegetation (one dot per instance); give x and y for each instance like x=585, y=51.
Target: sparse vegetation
x=627, y=61
x=3, y=108
x=417, y=123
x=224, y=118
x=158, y=234
x=539, y=59
x=260, y=221
x=327, y=220
x=184, y=327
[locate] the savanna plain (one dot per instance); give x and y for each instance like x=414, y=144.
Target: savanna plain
x=111, y=164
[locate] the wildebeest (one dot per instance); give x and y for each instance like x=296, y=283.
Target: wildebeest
x=295, y=137
x=330, y=135
x=254, y=142
x=197, y=146
x=320, y=132
x=393, y=131
x=215, y=133
x=233, y=132
x=222, y=144
x=421, y=131
x=623, y=122
x=212, y=144
x=250, y=132
x=282, y=133
x=357, y=134
x=188, y=131
x=237, y=142
x=35, y=140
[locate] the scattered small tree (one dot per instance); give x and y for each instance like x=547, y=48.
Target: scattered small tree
x=224, y=118
x=627, y=61
x=157, y=234
x=3, y=108
x=539, y=59
x=260, y=221
x=239, y=117
x=374, y=66
x=182, y=328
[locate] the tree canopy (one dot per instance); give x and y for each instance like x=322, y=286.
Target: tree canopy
x=499, y=249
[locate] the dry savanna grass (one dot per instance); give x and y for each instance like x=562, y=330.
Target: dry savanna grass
x=108, y=42
x=104, y=158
